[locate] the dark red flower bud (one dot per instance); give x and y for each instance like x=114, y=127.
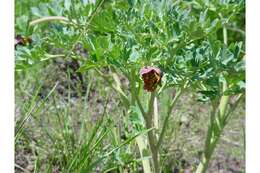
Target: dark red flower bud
x=23, y=41
x=151, y=77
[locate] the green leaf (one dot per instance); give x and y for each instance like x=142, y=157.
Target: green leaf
x=87, y=66
x=36, y=11
x=134, y=56
x=67, y=4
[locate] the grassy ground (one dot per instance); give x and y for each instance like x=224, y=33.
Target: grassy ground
x=65, y=122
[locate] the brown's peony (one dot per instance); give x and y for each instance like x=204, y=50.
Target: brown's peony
x=151, y=77
x=21, y=40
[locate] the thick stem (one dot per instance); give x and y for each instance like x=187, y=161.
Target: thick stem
x=140, y=139
x=151, y=136
x=223, y=102
x=142, y=147
x=154, y=150
x=148, y=117
x=203, y=166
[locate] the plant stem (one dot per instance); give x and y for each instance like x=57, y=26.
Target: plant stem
x=151, y=136
x=142, y=147
x=213, y=133
x=223, y=101
x=174, y=101
x=217, y=123
x=148, y=117
x=208, y=144
x=48, y=19
x=140, y=140
x=156, y=114
x=203, y=166
x=225, y=35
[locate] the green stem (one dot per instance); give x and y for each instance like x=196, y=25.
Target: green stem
x=203, y=166
x=140, y=105
x=148, y=117
x=48, y=19
x=151, y=136
x=156, y=114
x=223, y=102
x=232, y=108
x=134, y=94
x=166, y=120
x=210, y=129
x=225, y=35
x=213, y=136
x=142, y=147
x=140, y=140
x=208, y=149
x=217, y=123
x=213, y=133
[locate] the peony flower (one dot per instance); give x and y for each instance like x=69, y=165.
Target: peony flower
x=151, y=77
x=23, y=41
